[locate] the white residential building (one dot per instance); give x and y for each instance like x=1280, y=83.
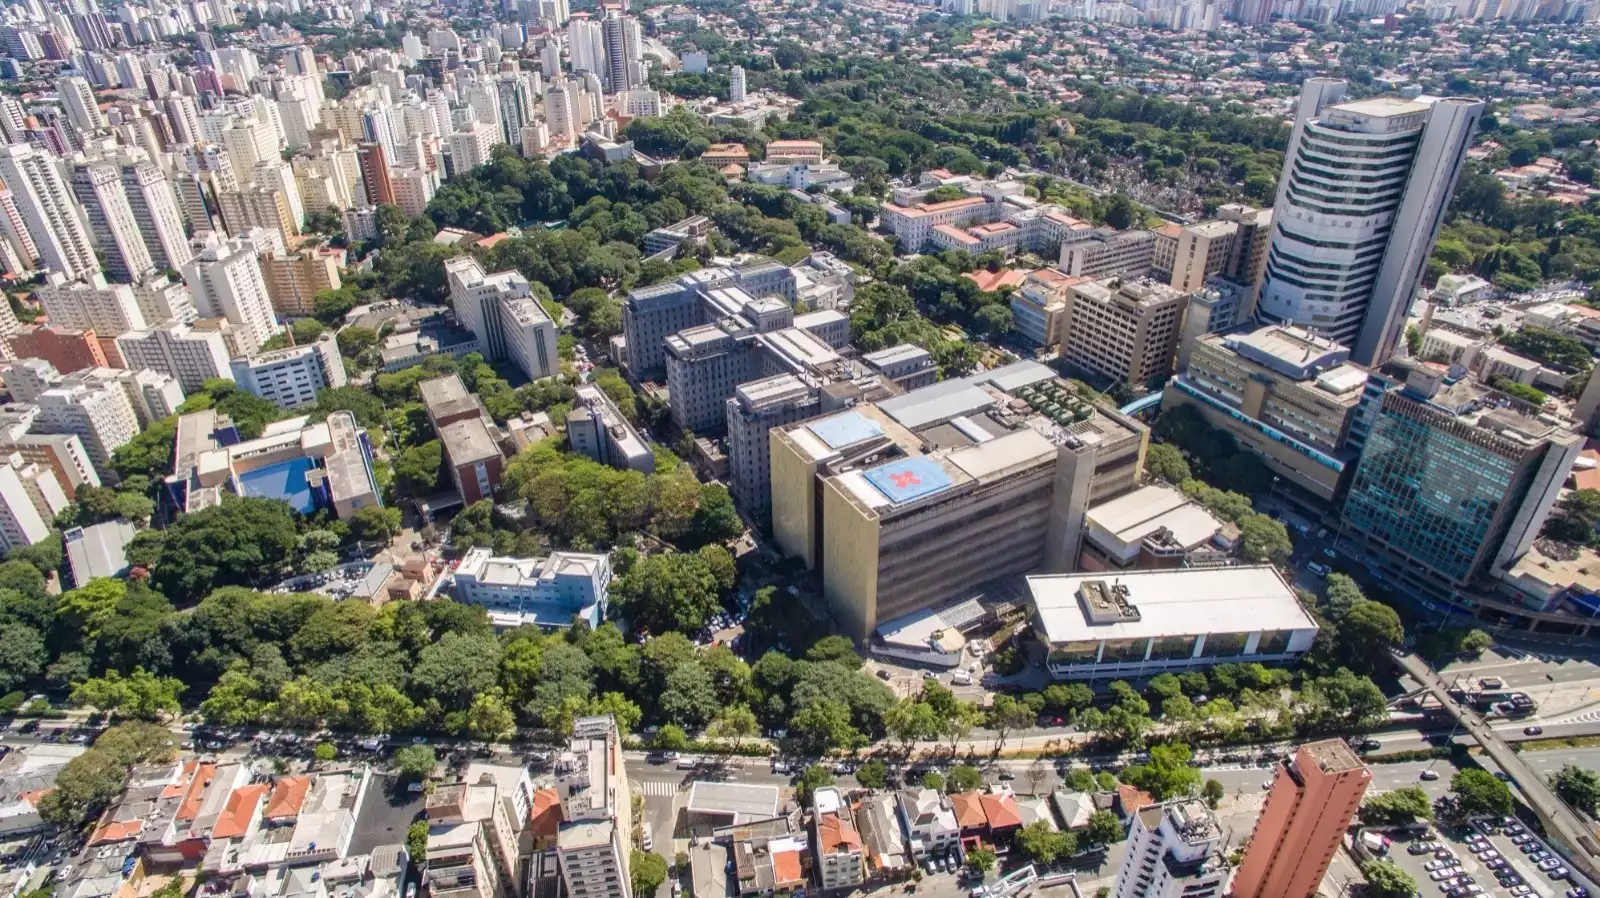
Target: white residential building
x=929, y=821
x=161, y=225
x=47, y=208
x=596, y=832
x=23, y=521
x=839, y=850
x=501, y=311
x=91, y=304
x=227, y=283
x=291, y=377
x=1175, y=850
x=190, y=355
x=471, y=146
x=77, y=98
x=98, y=413
x=98, y=186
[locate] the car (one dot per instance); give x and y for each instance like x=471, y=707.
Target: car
x=1370, y=745
x=1006, y=774
x=1498, y=863
x=1579, y=892
x=1530, y=846
x=687, y=763
x=884, y=674
x=1519, y=838
x=31, y=726
x=1328, y=551
x=1540, y=855
x=1549, y=864
x=929, y=675
x=1321, y=570
x=414, y=787
x=645, y=841
x=662, y=757
x=780, y=767
x=1560, y=873
x=419, y=740
x=1441, y=875
x=1489, y=855
x=1421, y=847
x=1429, y=775
x=1532, y=731
x=1519, y=891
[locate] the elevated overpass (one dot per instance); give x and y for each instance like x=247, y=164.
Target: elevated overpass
x=1568, y=832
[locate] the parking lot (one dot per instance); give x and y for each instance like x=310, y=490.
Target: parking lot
x=1489, y=857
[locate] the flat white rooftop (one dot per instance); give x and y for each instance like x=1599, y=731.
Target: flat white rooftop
x=1185, y=602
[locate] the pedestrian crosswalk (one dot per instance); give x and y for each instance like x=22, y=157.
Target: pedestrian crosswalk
x=1588, y=716
x=653, y=787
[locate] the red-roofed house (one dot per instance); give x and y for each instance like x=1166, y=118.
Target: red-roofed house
x=968, y=808
x=787, y=873
x=839, y=850
x=288, y=796
x=1131, y=800
x=1004, y=816
x=544, y=820
x=240, y=816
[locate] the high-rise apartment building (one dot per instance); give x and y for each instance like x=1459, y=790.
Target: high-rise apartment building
x=294, y=280
x=1175, y=850
x=47, y=209
x=375, y=173
x=98, y=186
x=1453, y=482
x=160, y=223
x=595, y=836
x=257, y=207
x=98, y=413
x=617, y=70
x=472, y=146
x=67, y=349
x=736, y=88
x=192, y=356
x=227, y=283
x=1364, y=188
x=91, y=304
x=1313, y=797
x=77, y=97
x=25, y=514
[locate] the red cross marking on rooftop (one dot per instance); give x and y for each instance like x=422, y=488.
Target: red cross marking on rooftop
x=905, y=479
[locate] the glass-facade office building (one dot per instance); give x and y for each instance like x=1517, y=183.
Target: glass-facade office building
x=1442, y=495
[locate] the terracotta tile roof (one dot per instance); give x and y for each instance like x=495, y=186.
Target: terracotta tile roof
x=241, y=808
x=195, y=795
x=837, y=834
x=1131, y=800
x=786, y=868
x=492, y=239
x=288, y=794
x=956, y=234
x=544, y=819
x=1002, y=811
x=1170, y=230
x=969, y=810
x=116, y=831
x=994, y=280
x=177, y=786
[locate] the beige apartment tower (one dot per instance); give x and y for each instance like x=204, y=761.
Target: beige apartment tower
x=1123, y=330
x=1313, y=797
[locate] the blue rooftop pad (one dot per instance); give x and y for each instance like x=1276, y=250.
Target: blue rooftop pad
x=906, y=479
x=845, y=430
x=285, y=480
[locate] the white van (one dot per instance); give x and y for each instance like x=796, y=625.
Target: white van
x=645, y=841
x=961, y=678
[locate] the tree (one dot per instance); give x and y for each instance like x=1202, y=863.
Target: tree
x=1006, y=715
x=874, y=774
x=964, y=778
x=1165, y=461
x=1385, y=880
x=375, y=524
x=1103, y=829
x=1475, y=643
x=417, y=841
x=1478, y=791
x=670, y=737
x=1577, y=787
x=1398, y=808
x=824, y=724
x=671, y=592
x=1167, y=774
x=910, y=720
x=1068, y=697
x=489, y=718
x=934, y=780
x=647, y=871
x=981, y=860
x=1044, y=843
x=1366, y=634
x=813, y=778
x=22, y=655
x=959, y=721
x=1575, y=517
x=141, y=695
x=325, y=752
x=1213, y=791
x=834, y=648
x=243, y=541
x=93, y=779
x=415, y=762
x=734, y=724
